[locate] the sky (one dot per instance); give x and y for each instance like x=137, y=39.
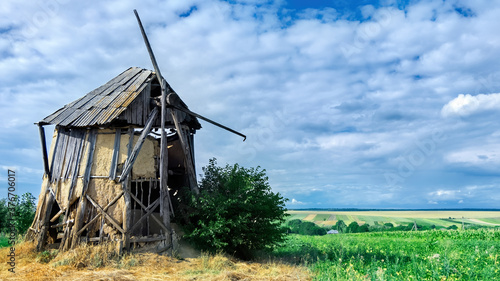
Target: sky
x=345, y=104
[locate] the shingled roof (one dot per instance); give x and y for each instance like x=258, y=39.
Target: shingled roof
x=125, y=99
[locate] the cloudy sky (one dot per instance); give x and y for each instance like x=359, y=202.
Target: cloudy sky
x=362, y=104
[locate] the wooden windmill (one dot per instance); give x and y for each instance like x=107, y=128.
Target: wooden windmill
x=109, y=175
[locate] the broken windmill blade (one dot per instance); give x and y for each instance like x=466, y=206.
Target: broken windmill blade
x=173, y=99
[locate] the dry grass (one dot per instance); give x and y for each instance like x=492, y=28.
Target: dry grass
x=100, y=263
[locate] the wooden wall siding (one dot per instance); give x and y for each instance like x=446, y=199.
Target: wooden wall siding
x=67, y=153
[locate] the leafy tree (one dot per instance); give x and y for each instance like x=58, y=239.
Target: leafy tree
x=236, y=211
x=353, y=227
x=24, y=212
x=310, y=228
x=294, y=225
x=364, y=228
x=340, y=226
x=3, y=215
x=389, y=225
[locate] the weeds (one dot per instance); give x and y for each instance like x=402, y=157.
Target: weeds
x=427, y=255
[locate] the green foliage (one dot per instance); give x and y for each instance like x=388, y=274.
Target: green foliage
x=305, y=228
x=236, y=211
x=340, y=226
x=403, y=255
x=24, y=213
x=353, y=227
x=364, y=228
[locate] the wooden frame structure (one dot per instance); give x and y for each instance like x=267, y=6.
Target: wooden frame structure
x=109, y=175
x=93, y=190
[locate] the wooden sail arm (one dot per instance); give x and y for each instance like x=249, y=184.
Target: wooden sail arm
x=173, y=101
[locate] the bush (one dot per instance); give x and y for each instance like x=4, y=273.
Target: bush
x=235, y=212
x=24, y=213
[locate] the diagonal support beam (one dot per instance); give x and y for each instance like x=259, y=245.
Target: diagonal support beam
x=106, y=215
x=98, y=215
x=152, y=207
x=146, y=209
x=133, y=155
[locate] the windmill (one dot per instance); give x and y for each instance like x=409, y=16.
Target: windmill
x=103, y=181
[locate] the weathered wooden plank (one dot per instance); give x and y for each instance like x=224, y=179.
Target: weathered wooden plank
x=163, y=154
x=44, y=222
x=59, y=152
x=72, y=117
x=86, y=176
x=130, y=160
x=82, y=206
x=126, y=197
x=79, y=136
x=53, y=219
x=116, y=153
x=61, y=224
x=106, y=215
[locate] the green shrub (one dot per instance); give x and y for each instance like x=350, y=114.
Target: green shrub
x=24, y=213
x=235, y=212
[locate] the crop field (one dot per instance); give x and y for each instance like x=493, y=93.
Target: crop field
x=424, y=218
x=423, y=255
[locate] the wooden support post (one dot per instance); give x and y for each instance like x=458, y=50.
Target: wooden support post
x=149, y=202
x=163, y=153
x=44, y=220
x=126, y=197
x=44, y=150
x=131, y=159
x=116, y=153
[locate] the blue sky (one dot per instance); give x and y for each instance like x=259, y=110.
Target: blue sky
x=346, y=104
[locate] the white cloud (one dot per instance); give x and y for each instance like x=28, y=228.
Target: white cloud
x=465, y=105
x=326, y=102
x=295, y=202
x=487, y=156
x=442, y=195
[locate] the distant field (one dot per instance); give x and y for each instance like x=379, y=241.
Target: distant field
x=424, y=218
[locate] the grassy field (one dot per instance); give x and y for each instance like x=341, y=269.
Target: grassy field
x=88, y=263
x=424, y=218
x=425, y=255
x=420, y=255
